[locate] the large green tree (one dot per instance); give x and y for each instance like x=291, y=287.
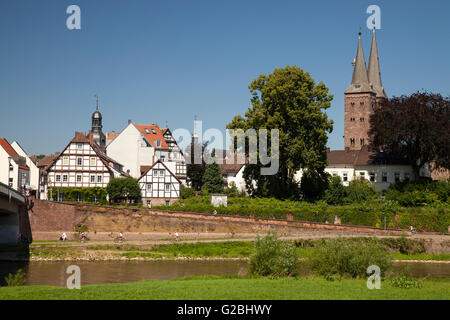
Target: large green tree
x=414, y=127
x=292, y=102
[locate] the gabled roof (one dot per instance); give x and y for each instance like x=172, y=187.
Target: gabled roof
x=152, y=132
x=7, y=147
x=153, y=165
x=47, y=160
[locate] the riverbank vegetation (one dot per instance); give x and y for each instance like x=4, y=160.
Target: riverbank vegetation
x=235, y=288
x=397, y=248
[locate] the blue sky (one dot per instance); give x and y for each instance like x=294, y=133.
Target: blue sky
x=158, y=61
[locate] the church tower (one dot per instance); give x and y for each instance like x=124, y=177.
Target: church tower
x=361, y=97
x=97, y=134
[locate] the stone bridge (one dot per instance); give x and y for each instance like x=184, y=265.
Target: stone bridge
x=15, y=231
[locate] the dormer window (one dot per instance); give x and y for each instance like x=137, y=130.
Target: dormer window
x=146, y=131
x=158, y=143
x=153, y=131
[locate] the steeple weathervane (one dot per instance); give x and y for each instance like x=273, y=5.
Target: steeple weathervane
x=96, y=98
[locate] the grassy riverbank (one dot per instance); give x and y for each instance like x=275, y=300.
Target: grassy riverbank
x=217, y=250
x=231, y=288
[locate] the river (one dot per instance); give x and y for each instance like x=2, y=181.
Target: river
x=54, y=273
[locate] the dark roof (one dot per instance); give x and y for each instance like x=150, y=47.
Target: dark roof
x=363, y=157
x=150, y=167
x=230, y=168
x=45, y=161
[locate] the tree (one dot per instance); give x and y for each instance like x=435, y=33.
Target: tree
x=124, y=189
x=196, y=164
x=413, y=127
x=212, y=179
x=335, y=194
x=288, y=100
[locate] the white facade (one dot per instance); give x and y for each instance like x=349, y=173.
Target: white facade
x=8, y=171
x=34, y=170
x=132, y=149
x=159, y=186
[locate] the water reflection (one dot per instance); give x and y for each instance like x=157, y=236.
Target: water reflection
x=54, y=273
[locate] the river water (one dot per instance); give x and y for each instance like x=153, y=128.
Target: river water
x=54, y=273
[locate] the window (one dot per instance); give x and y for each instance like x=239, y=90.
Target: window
x=149, y=187
x=384, y=177
x=11, y=181
x=161, y=173
x=397, y=176
x=153, y=131
x=65, y=178
x=163, y=158
x=149, y=203
x=99, y=179
x=66, y=161
x=58, y=178
x=80, y=146
x=93, y=162
x=407, y=176
x=361, y=104
x=352, y=119
x=352, y=105
x=167, y=202
x=361, y=141
x=352, y=141
x=155, y=173
x=146, y=131
x=372, y=176
x=361, y=119
x=344, y=176
x=92, y=179
x=362, y=175
x=79, y=161
x=79, y=178
x=167, y=187
x=158, y=143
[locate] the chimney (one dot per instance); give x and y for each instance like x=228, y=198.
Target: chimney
x=130, y=122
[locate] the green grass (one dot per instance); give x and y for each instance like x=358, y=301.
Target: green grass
x=233, y=288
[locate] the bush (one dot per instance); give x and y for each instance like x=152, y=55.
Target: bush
x=273, y=257
x=17, y=280
x=419, y=193
x=186, y=192
x=360, y=190
x=335, y=194
x=344, y=258
x=89, y=195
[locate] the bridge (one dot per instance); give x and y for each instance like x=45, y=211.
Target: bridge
x=15, y=230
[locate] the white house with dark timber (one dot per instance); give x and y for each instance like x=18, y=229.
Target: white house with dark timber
x=159, y=186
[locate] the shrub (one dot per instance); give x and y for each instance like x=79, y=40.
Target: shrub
x=335, y=194
x=343, y=258
x=17, y=280
x=124, y=189
x=360, y=190
x=273, y=257
x=186, y=192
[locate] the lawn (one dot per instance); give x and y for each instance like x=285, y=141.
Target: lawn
x=234, y=288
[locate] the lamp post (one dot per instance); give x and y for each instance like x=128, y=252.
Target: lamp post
x=9, y=171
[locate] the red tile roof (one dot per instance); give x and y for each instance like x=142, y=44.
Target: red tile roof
x=7, y=147
x=24, y=167
x=147, y=131
x=363, y=157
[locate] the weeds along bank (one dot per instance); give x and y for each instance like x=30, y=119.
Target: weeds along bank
x=374, y=213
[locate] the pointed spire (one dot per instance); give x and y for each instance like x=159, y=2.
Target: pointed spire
x=96, y=97
x=374, y=68
x=360, y=79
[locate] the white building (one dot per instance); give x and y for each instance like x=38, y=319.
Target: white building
x=140, y=146
x=159, y=186
x=34, y=171
x=14, y=171
x=374, y=167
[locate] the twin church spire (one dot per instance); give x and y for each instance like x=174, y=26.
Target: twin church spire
x=367, y=79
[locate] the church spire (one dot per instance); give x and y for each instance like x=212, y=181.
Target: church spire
x=374, y=68
x=360, y=78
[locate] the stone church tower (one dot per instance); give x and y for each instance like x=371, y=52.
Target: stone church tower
x=361, y=97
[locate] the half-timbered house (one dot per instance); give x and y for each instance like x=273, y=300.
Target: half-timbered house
x=159, y=186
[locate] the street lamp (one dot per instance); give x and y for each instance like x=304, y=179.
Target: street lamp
x=9, y=170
